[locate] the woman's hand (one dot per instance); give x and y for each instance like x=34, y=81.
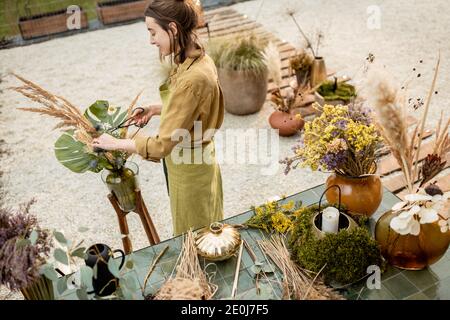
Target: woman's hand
x=108, y=142
x=143, y=117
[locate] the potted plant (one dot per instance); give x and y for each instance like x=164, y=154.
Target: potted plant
x=343, y=140
x=242, y=72
x=283, y=118
x=415, y=233
x=48, y=23
x=114, y=11
x=334, y=92
x=300, y=64
x=74, y=148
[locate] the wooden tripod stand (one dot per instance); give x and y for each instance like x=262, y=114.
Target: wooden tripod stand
x=146, y=220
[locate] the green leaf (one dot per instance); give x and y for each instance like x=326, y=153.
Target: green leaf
x=256, y=269
x=33, y=237
x=113, y=267
x=50, y=273
x=268, y=268
x=61, y=285
x=74, y=155
x=83, y=229
x=130, y=282
x=60, y=237
x=98, y=114
x=82, y=294
x=23, y=243
x=79, y=252
x=86, y=276
x=61, y=256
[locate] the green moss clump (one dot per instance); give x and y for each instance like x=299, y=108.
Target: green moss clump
x=331, y=90
x=345, y=255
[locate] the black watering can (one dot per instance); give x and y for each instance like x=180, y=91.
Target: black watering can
x=99, y=254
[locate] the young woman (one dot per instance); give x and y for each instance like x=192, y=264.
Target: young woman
x=190, y=95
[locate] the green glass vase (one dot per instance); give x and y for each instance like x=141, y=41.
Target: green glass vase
x=123, y=183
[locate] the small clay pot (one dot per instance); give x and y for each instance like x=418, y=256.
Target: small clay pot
x=288, y=124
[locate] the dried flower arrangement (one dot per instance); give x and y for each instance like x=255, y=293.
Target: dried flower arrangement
x=300, y=65
x=30, y=256
x=24, y=247
x=422, y=205
x=309, y=44
x=74, y=148
x=298, y=284
x=274, y=217
x=343, y=139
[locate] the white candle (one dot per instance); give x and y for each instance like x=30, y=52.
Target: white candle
x=330, y=220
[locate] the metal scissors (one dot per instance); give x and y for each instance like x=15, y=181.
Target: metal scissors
x=123, y=125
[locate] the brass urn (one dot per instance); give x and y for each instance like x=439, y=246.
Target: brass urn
x=218, y=242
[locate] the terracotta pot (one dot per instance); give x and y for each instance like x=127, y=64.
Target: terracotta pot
x=244, y=92
x=318, y=72
x=287, y=123
x=408, y=251
x=360, y=195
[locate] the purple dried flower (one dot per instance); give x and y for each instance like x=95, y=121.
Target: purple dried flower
x=333, y=161
x=19, y=264
x=341, y=124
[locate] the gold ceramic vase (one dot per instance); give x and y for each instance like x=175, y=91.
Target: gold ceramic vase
x=218, y=241
x=408, y=251
x=318, y=72
x=360, y=195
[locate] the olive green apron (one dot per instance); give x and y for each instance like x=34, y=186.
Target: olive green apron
x=195, y=190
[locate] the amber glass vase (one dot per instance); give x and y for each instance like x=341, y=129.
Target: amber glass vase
x=360, y=195
x=408, y=251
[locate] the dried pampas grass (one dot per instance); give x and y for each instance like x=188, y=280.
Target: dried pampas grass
x=273, y=61
x=390, y=109
x=54, y=106
x=297, y=284
x=188, y=281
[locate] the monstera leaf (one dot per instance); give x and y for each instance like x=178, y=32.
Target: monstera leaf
x=74, y=154
x=103, y=116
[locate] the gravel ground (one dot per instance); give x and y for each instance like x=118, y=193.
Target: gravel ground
x=115, y=64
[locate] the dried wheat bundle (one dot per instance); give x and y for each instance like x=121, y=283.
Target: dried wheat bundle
x=189, y=281
x=54, y=106
x=298, y=284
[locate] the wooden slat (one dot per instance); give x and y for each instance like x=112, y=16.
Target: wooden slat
x=221, y=10
x=389, y=164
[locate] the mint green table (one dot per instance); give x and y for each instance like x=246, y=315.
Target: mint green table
x=432, y=283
